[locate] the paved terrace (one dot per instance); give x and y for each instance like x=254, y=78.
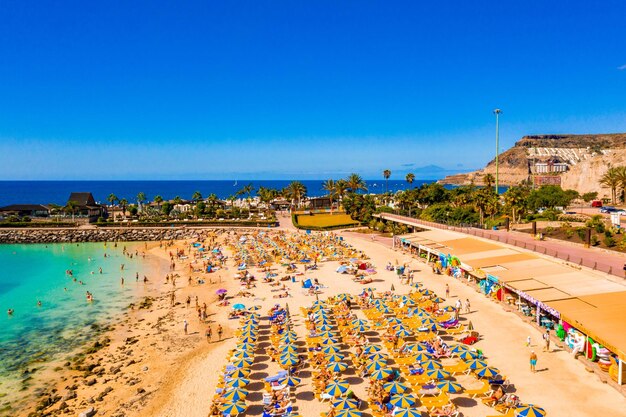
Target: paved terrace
x=611, y=263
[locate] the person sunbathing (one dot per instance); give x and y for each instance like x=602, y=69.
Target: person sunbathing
x=495, y=398
x=446, y=410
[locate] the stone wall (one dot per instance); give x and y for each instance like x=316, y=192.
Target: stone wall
x=104, y=234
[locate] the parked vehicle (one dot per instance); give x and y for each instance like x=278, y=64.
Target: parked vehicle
x=596, y=203
x=607, y=209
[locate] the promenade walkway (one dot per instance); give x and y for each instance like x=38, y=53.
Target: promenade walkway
x=611, y=263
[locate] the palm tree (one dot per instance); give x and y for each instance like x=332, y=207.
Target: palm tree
x=141, y=197
x=612, y=180
x=515, y=200
x=177, y=200
x=621, y=175
x=341, y=186
x=295, y=192
x=410, y=177
x=248, y=190
x=331, y=186
x=124, y=203
x=158, y=200
x=489, y=180
x=71, y=207
x=197, y=196
x=355, y=183
x=386, y=174
x=112, y=198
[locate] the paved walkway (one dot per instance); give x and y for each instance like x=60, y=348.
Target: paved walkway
x=611, y=263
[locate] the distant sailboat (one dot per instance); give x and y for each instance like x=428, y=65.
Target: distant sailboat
x=235, y=184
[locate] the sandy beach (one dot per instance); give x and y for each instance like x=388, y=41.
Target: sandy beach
x=151, y=367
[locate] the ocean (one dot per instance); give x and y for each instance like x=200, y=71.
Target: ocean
x=57, y=192
x=34, y=334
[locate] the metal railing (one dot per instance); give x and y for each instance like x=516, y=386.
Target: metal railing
x=511, y=240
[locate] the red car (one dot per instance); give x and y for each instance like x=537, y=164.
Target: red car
x=596, y=203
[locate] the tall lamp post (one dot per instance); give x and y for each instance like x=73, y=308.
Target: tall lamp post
x=497, y=113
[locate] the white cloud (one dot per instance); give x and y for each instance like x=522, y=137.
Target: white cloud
x=623, y=67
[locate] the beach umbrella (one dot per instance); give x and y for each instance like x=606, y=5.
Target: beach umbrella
x=239, y=306
x=235, y=395
x=395, y=387
x=291, y=381
x=381, y=374
x=459, y=348
x=407, y=412
x=330, y=341
x=330, y=349
x=337, y=388
x=371, y=348
x=468, y=355
x=240, y=373
x=349, y=413
x=438, y=300
x=238, y=383
x=530, y=410
x=337, y=366
x=324, y=328
x=221, y=291
x=243, y=354
x=245, y=346
x=449, y=386
x=423, y=357
x=415, y=347
x=403, y=332
x=334, y=357
x=289, y=361
x=426, y=292
x=487, y=372
x=438, y=373
x=289, y=349
x=402, y=400
x=431, y=364
x=377, y=356
x=233, y=408
x=243, y=363
x=376, y=365
x=345, y=404
x=254, y=308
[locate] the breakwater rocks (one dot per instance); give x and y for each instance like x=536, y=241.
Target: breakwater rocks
x=109, y=234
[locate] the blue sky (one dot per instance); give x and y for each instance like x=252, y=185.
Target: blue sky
x=235, y=89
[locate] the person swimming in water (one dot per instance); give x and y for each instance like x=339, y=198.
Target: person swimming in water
x=10, y=311
x=38, y=303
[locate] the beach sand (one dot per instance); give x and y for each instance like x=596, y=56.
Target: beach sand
x=165, y=373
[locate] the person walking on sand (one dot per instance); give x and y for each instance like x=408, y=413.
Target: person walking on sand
x=546, y=339
x=209, y=334
x=467, y=306
x=185, y=324
x=447, y=291
x=528, y=341
x=219, y=331
x=533, y=362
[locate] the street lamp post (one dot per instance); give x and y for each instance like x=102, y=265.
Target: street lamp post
x=497, y=113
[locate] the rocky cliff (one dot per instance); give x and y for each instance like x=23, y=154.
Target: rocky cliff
x=588, y=157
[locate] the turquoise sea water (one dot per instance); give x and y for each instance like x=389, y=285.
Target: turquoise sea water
x=31, y=273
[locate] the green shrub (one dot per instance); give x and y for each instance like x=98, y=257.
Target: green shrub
x=581, y=232
x=569, y=233
x=609, y=241
x=549, y=230
x=594, y=240
x=26, y=219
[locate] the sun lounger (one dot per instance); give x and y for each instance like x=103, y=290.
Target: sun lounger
x=484, y=391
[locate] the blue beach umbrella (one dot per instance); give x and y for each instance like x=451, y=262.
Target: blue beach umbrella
x=334, y=357
x=423, y=357
x=291, y=381
x=337, y=366
x=349, y=413
x=242, y=363
x=377, y=356
x=376, y=365
x=235, y=395
x=487, y=372
x=381, y=374
x=330, y=349
x=468, y=355
x=403, y=400
x=530, y=410
x=345, y=404
x=239, y=307
x=240, y=373
x=337, y=388
x=438, y=374
x=233, y=408
x=371, y=348
x=238, y=383
x=459, y=348
x=431, y=364
x=449, y=386
x=395, y=387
